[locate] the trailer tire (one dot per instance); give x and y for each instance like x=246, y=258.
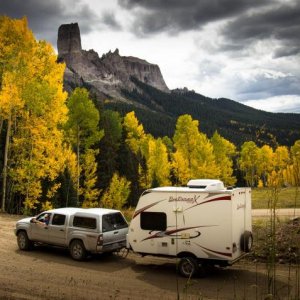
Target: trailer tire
x=246, y=241
x=188, y=266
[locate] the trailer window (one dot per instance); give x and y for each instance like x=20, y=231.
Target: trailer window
x=153, y=221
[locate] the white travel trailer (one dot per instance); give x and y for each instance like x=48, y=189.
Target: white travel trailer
x=203, y=224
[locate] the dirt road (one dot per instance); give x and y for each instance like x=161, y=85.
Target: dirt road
x=50, y=273
x=284, y=212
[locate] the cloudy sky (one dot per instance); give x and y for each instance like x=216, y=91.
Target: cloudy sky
x=244, y=50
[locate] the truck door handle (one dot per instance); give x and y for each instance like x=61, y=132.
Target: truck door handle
x=116, y=232
x=61, y=230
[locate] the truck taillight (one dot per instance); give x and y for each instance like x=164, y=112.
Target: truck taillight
x=100, y=240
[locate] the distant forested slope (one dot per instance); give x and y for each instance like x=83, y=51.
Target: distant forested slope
x=158, y=112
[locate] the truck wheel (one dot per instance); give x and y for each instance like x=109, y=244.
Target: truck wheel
x=77, y=250
x=188, y=266
x=246, y=241
x=24, y=242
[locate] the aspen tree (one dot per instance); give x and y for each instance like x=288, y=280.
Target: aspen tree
x=224, y=152
x=265, y=163
x=193, y=157
x=82, y=127
x=32, y=92
x=117, y=193
x=248, y=162
x=88, y=191
x=295, y=156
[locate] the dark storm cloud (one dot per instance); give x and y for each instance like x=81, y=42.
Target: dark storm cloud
x=44, y=17
x=248, y=20
x=265, y=86
x=110, y=20
x=280, y=23
x=178, y=15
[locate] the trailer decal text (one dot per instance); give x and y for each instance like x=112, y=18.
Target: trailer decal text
x=184, y=199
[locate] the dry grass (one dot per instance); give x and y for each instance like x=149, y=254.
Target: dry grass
x=288, y=198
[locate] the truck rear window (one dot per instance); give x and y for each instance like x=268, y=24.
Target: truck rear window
x=113, y=221
x=84, y=222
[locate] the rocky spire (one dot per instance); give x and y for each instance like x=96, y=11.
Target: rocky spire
x=108, y=75
x=68, y=40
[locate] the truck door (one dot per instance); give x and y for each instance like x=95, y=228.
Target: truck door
x=57, y=230
x=39, y=230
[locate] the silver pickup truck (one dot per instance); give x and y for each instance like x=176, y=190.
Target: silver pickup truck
x=82, y=230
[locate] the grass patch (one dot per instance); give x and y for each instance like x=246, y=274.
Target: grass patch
x=288, y=198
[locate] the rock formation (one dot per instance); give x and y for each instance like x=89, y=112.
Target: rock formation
x=105, y=76
x=68, y=39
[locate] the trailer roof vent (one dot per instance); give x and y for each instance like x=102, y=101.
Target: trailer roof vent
x=206, y=184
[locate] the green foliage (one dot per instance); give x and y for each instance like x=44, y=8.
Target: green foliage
x=111, y=124
x=89, y=192
x=83, y=120
x=83, y=132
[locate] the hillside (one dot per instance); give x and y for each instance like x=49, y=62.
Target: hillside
x=158, y=112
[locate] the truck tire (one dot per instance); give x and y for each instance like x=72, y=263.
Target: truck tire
x=188, y=266
x=246, y=241
x=24, y=242
x=77, y=250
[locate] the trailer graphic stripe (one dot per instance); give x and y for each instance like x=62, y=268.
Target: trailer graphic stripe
x=211, y=200
x=170, y=233
x=213, y=251
x=146, y=207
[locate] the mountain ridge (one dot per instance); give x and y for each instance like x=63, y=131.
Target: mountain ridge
x=126, y=83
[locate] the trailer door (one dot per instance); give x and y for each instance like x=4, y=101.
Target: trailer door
x=155, y=225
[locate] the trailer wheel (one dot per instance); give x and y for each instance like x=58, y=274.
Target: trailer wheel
x=246, y=241
x=188, y=266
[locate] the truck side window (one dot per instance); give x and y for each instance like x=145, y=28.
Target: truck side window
x=58, y=219
x=153, y=221
x=84, y=222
